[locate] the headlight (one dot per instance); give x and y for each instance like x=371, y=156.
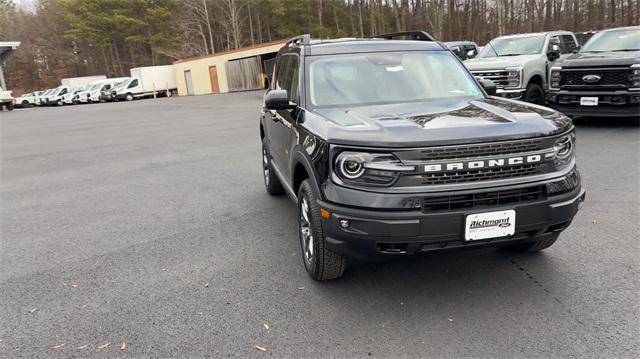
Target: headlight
x=372, y=169
x=554, y=78
x=634, y=78
x=563, y=150
x=513, y=76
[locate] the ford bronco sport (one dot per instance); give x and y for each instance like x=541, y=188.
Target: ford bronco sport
x=603, y=79
x=391, y=147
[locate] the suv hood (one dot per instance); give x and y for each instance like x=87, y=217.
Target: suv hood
x=617, y=58
x=499, y=62
x=436, y=123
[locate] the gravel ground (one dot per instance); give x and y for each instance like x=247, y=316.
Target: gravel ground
x=147, y=223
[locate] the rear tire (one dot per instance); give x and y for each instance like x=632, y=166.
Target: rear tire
x=10, y=106
x=271, y=180
x=534, y=94
x=320, y=262
x=534, y=246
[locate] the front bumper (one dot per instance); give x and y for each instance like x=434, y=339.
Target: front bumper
x=610, y=103
x=377, y=233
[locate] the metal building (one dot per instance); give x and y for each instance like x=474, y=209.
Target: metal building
x=235, y=70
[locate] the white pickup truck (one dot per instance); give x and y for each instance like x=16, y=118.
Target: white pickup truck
x=6, y=100
x=519, y=64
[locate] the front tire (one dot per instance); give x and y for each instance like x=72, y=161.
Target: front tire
x=534, y=246
x=320, y=262
x=129, y=97
x=534, y=94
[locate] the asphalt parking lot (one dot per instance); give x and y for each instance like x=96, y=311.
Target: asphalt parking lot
x=147, y=223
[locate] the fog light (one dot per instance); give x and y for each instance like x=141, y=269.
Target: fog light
x=344, y=223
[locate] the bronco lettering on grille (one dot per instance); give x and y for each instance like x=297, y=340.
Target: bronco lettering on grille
x=491, y=163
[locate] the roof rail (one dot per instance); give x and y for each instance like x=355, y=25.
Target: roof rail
x=412, y=35
x=299, y=40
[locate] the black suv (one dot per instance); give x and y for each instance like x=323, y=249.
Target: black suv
x=391, y=147
x=603, y=79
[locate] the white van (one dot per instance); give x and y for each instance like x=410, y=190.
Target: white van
x=55, y=97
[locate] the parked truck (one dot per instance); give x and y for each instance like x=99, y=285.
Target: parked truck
x=519, y=64
x=147, y=81
x=6, y=100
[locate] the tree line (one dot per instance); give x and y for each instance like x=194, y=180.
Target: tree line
x=66, y=38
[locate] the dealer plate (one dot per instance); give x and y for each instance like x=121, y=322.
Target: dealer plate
x=490, y=225
x=588, y=101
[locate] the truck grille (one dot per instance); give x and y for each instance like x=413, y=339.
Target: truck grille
x=480, y=175
x=495, y=198
x=609, y=77
x=422, y=157
x=498, y=76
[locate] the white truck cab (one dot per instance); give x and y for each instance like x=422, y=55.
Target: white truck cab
x=6, y=100
x=519, y=64
x=71, y=97
x=95, y=91
x=55, y=98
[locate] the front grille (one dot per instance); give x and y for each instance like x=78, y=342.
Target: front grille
x=489, y=149
x=480, y=175
x=500, y=77
x=611, y=77
x=454, y=202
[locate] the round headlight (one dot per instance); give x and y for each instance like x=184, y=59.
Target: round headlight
x=351, y=167
x=564, y=147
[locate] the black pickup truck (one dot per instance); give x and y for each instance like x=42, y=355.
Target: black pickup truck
x=602, y=79
x=391, y=147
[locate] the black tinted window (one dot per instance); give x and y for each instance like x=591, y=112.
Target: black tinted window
x=133, y=83
x=567, y=44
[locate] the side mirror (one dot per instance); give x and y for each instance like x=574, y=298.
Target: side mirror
x=489, y=86
x=553, y=55
x=577, y=49
x=471, y=54
x=278, y=100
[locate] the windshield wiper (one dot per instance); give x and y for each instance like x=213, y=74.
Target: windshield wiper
x=625, y=50
x=509, y=54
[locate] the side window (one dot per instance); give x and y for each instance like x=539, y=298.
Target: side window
x=281, y=73
x=133, y=83
x=568, y=44
x=106, y=87
x=554, y=41
x=293, y=69
x=64, y=91
x=287, y=76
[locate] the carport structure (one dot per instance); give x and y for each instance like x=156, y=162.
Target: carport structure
x=6, y=48
x=234, y=70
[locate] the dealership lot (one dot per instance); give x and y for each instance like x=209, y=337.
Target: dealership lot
x=147, y=223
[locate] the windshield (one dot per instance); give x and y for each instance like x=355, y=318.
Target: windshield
x=96, y=86
x=616, y=40
x=121, y=84
x=57, y=90
x=513, y=46
x=374, y=78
